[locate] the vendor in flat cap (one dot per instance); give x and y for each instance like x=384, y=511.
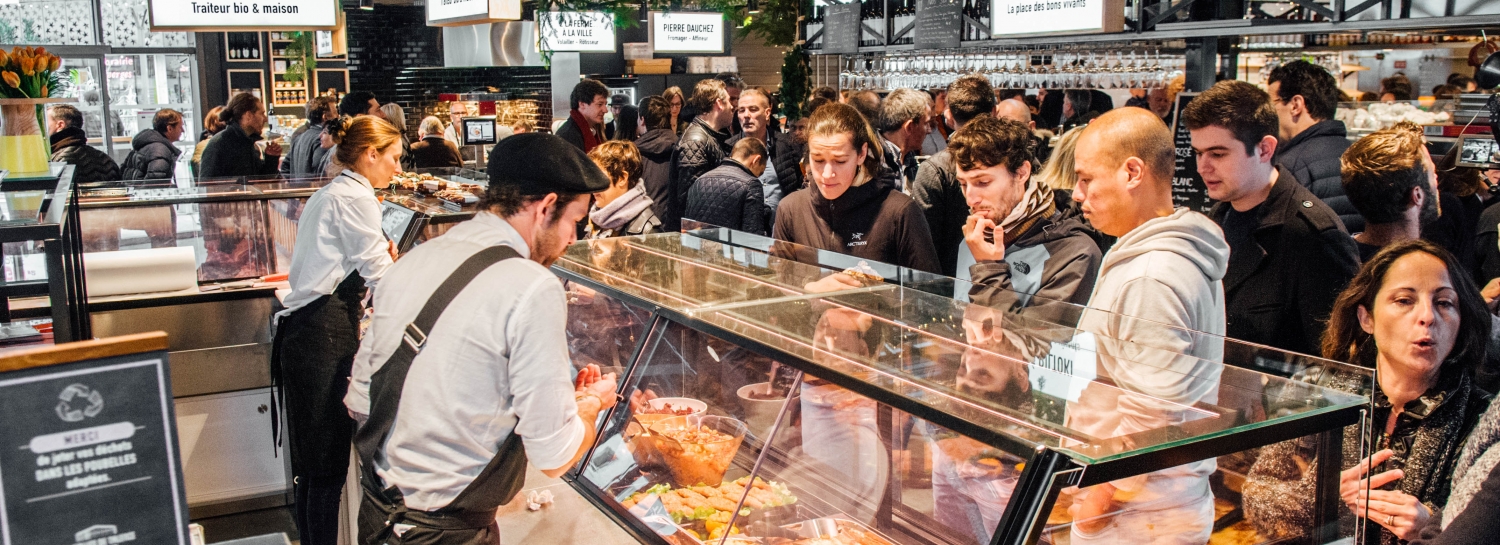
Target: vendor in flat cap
x=468, y=343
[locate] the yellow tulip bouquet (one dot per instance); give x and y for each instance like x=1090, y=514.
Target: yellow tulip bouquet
x=30, y=72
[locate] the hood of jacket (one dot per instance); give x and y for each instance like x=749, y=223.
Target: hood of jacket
x=1186, y=233
x=623, y=209
x=1325, y=128
x=1053, y=228
x=657, y=142
x=151, y=136
x=66, y=138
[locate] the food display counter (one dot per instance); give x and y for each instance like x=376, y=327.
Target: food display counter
x=760, y=410
x=420, y=205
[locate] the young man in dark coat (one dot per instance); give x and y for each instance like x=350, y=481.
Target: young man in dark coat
x=305, y=158
x=936, y=187
x=657, y=145
x=731, y=195
x=1289, y=256
x=70, y=145
x=702, y=146
x=232, y=152
x=1305, y=96
x=152, y=155
x=1027, y=254
x=589, y=102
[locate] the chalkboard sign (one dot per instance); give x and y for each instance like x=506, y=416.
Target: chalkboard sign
x=89, y=450
x=841, y=28
x=939, y=24
x=1188, y=190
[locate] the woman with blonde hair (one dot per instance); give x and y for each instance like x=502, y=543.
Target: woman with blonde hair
x=341, y=252
x=211, y=126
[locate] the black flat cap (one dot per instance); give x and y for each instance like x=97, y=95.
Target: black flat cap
x=540, y=163
x=619, y=100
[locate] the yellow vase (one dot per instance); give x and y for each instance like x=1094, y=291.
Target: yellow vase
x=24, y=150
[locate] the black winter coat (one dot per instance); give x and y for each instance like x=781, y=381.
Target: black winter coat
x=786, y=156
x=90, y=165
x=872, y=221
x=729, y=196
x=657, y=147
x=1281, y=295
x=699, y=150
x=573, y=134
x=1313, y=157
x=152, y=157
x=941, y=200
x=435, y=152
x=232, y=153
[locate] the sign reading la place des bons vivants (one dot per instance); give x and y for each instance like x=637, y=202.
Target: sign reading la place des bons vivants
x=673, y=32
x=1029, y=17
x=207, y=15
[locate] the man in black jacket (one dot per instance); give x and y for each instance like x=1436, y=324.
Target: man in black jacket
x=1289, y=256
x=70, y=145
x=703, y=144
x=657, y=146
x=1027, y=254
x=936, y=187
x=305, y=158
x=589, y=102
x=782, y=174
x=731, y=195
x=902, y=125
x=152, y=155
x=232, y=152
x=1305, y=96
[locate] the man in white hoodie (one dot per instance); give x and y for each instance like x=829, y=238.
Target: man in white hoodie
x=1159, y=283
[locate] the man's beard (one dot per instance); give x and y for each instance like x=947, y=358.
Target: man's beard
x=547, y=250
x=1429, y=213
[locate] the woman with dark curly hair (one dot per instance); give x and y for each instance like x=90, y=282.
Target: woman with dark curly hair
x=1414, y=316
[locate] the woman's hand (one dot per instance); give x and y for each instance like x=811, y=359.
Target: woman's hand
x=1352, y=481
x=1401, y=513
x=983, y=250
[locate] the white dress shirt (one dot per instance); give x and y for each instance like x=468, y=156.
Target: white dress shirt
x=495, y=363
x=339, y=233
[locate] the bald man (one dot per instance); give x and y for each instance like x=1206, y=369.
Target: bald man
x=1168, y=268
x=1015, y=108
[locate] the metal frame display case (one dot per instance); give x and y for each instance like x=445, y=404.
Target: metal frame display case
x=40, y=216
x=764, y=403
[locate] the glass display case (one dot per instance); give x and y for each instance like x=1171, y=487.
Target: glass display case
x=762, y=408
x=411, y=211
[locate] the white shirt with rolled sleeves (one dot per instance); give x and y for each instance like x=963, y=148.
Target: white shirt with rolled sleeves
x=495, y=363
x=338, y=233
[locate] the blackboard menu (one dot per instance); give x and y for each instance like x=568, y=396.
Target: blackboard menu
x=1188, y=190
x=841, y=28
x=88, y=454
x=939, y=23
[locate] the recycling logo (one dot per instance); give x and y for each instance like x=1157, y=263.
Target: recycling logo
x=75, y=396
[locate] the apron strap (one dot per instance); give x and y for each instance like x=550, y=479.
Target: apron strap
x=388, y=382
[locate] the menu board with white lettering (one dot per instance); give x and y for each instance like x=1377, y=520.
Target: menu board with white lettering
x=469, y=12
x=179, y=15
x=88, y=454
x=939, y=23
x=1188, y=190
x=841, y=28
x=576, y=31
x=687, y=32
x=1021, y=17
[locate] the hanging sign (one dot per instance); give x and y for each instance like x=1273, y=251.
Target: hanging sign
x=939, y=23
x=207, y=15
x=88, y=445
x=841, y=28
x=470, y=12
x=687, y=32
x=576, y=31
x=1022, y=17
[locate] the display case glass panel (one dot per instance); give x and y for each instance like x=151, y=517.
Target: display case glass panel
x=912, y=417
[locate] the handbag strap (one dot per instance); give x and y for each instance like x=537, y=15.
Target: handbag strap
x=388, y=382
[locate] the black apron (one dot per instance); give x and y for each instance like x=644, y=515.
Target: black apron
x=470, y=519
x=313, y=354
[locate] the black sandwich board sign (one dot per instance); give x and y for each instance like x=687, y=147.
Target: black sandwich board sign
x=89, y=453
x=1188, y=190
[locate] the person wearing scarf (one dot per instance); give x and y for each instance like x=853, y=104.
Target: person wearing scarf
x=589, y=103
x=1025, y=253
x=624, y=209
